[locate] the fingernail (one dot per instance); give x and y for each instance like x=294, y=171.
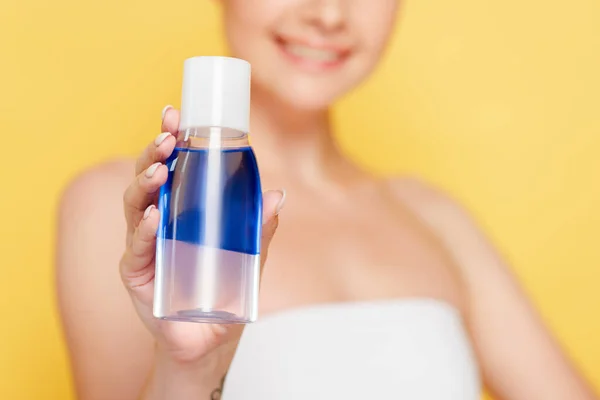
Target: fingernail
x=152, y=169
x=148, y=211
x=164, y=111
x=281, y=202
x=161, y=138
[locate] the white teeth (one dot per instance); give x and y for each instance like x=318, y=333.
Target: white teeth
x=312, y=53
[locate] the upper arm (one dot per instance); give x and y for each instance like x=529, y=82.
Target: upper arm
x=519, y=358
x=109, y=348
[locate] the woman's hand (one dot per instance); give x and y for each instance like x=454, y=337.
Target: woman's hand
x=184, y=343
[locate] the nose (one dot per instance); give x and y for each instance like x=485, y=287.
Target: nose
x=328, y=15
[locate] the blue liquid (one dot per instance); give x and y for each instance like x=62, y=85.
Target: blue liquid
x=212, y=198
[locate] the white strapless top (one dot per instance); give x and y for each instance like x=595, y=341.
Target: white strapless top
x=410, y=349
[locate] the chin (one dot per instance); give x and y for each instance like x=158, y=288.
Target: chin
x=306, y=99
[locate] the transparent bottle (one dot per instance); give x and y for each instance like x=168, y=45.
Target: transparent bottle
x=208, y=240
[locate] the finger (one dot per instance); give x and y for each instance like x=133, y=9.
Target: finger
x=137, y=267
x=142, y=192
x=162, y=147
x=158, y=151
x=273, y=202
x=170, y=121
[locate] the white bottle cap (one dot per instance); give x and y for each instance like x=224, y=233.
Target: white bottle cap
x=216, y=92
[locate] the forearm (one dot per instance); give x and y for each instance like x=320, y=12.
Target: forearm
x=171, y=379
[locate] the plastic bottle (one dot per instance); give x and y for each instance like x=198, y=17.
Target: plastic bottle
x=208, y=240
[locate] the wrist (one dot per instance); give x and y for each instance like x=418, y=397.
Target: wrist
x=181, y=378
x=185, y=362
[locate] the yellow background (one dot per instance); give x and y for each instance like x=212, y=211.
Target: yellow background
x=498, y=102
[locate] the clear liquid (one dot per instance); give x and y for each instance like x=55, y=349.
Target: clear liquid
x=208, y=240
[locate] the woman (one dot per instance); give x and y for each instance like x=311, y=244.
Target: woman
x=373, y=289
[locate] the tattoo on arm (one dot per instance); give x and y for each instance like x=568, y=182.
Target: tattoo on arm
x=216, y=394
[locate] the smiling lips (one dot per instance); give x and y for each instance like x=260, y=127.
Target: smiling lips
x=312, y=57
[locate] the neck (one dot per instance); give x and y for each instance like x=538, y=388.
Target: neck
x=292, y=143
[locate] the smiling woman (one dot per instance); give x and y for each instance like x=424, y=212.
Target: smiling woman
x=373, y=287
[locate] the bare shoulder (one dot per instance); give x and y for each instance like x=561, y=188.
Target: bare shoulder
x=105, y=338
x=458, y=230
x=510, y=338
x=92, y=202
x=91, y=206
x=91, y=226
x=91, y=212
x=431, y=204
x=99, y=183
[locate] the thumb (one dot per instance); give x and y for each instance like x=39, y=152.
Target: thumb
x=273, y=201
